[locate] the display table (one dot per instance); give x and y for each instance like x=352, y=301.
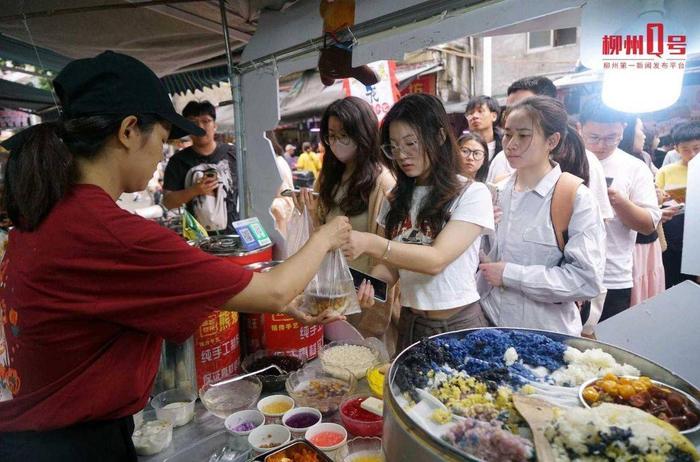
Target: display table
x=205, y=434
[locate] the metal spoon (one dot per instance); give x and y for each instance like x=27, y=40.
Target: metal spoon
x=240, y=377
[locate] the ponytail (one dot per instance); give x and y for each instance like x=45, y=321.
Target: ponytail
x=42, y=165
x=570, y=154
x=36, y=176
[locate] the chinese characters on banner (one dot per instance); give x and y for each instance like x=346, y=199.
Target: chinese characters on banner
x=423, y=84
x=655, y=48
x=380, y=96
x=217, y=348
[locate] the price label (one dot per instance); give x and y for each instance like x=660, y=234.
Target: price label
x=252, y=234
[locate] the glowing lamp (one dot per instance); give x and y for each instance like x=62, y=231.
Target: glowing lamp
x=651, y=78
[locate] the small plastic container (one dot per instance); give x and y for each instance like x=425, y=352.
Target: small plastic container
x=313, y=387
x=287, y=360
x=300, y=414
x=224, y=400
x=331, y=451
x=175, y=406
x=284, y=402
x=371, y=425
x=242, y=423
x=152, y=437
x=375, y=379
x=267, y=437
x=365, y=449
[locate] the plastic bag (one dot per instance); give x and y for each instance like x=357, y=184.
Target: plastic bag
x=332, y=288
x=298, y=231
x=192, y=230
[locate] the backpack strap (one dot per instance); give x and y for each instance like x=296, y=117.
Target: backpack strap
x=562, y=206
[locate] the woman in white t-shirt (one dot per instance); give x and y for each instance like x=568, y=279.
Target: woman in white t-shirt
x=526, y=280
x=432, y=222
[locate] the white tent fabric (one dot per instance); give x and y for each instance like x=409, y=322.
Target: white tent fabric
x=168, y=37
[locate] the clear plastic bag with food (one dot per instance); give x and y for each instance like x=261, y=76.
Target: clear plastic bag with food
x=332, y=288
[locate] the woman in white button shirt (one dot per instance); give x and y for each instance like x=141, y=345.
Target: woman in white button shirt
x=432, y=222
x=528, y=282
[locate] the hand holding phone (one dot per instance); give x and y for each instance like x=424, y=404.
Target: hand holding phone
x=379, y=286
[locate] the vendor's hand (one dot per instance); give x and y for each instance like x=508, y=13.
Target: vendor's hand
x=497, y=214
x=336, y=232
x=356, y=246
x=493, y=272
x=365, y=295
x=669, y=212
x=205, y=186
x=305, y=198
x=661, y=195
x=306, y=319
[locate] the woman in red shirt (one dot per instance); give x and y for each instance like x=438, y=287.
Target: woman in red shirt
x=87, y=290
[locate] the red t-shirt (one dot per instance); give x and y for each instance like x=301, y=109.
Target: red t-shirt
x=86, y=301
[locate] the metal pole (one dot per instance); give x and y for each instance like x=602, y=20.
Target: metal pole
x=234, y=79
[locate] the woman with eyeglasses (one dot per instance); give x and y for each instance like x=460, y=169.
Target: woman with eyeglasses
x=474, y=160
x=353, y=182
x=526, y=280
x=431, y=223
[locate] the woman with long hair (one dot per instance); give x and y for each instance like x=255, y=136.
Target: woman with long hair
x=526, y=280
x=353, y=182
x=431, y=224
x=648, y=274
x=88, y=291
x=474, y=159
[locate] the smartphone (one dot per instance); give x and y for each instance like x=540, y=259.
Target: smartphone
x=609, y=181
x=289, y=192
x=379, y=286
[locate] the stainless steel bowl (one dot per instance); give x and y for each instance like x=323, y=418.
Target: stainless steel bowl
x=406, y=441
x=692, y=400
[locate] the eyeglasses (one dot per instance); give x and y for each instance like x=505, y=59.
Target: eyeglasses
x=476, y=154
x=410, y=149
x=607, y=141
x=345, y=140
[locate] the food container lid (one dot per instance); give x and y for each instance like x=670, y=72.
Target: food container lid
x=226, y=245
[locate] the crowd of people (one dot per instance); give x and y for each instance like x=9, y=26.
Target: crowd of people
x=532, y=217
x=579, y=224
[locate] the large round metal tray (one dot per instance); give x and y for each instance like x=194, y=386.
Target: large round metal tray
x=406, y=441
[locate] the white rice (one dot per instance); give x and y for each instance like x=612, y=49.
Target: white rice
x=584, y=365
x=576, y=430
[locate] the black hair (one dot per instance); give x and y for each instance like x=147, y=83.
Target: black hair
x=628, y=135
x=550, y=115
x=361, y=125
x=539, y=85
x=686, y=131
x=483, y=171
x=650, y=133
x=276, y=147
x=41, y=171
x=198, y=108
x=594, y=110
x=475, y=102
x=427, y=116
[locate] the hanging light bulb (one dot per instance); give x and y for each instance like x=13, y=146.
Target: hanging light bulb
x=651, y=44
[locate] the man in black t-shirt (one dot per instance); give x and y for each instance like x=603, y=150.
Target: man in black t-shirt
x=204, y=175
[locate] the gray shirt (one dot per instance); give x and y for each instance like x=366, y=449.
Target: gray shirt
x=540, y=283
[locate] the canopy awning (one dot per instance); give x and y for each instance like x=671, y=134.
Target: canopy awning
x=17, y=96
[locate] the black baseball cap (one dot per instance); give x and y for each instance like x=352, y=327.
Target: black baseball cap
x=115, y=83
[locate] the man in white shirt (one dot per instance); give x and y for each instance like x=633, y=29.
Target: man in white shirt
x=633, y=199
x=500, y=169
x=482, y=115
